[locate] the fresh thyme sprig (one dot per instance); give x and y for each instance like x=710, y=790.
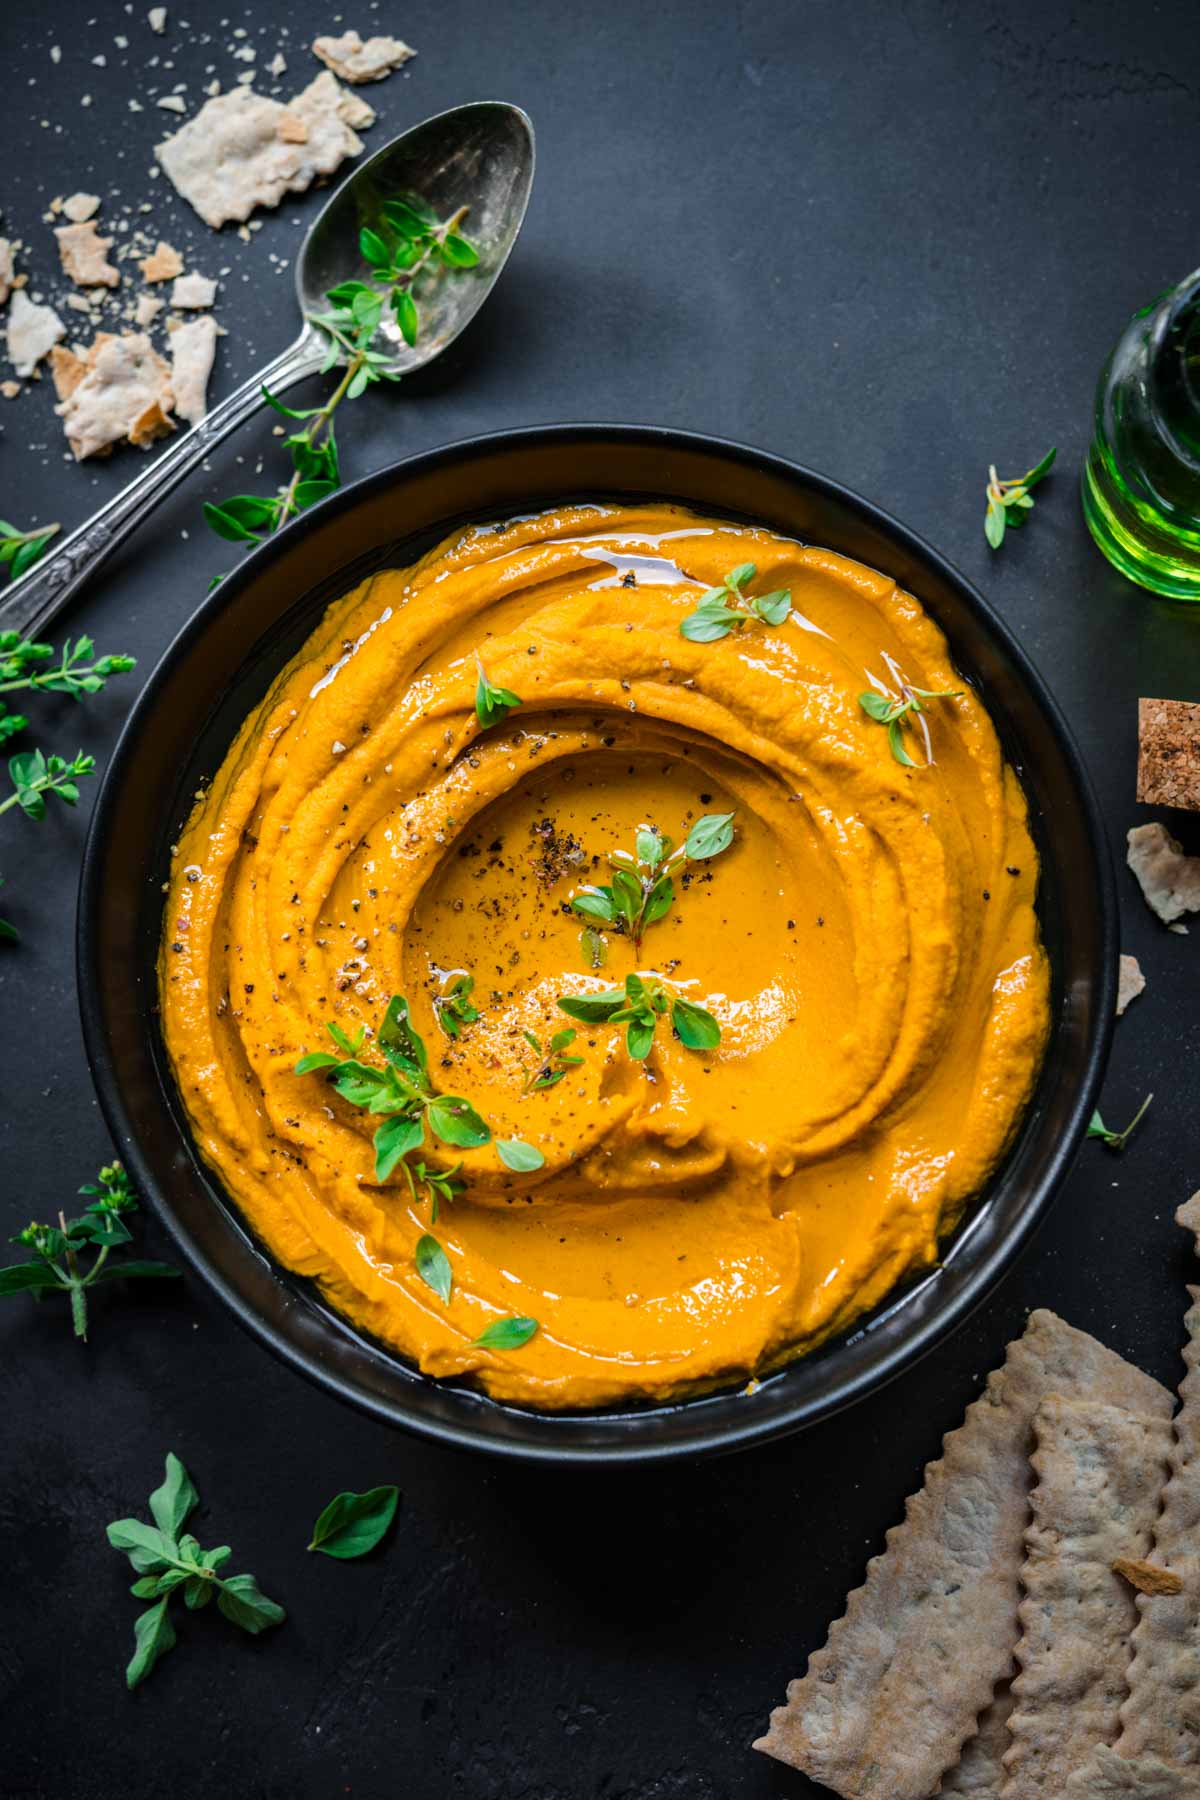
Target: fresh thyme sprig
x=1117, y=1140
x=408, y=242
x=166, y=1557
x=23, y=666
x=553, y=1064
x=891, y=709
x=642, y=889
x=638, y=1006
x=56, y=1262
x=35, y=775
x=403, y=1095
x=19, y=550
x=453, y=1007
x=492, y=704
x=728, y=607
x=1009, y=501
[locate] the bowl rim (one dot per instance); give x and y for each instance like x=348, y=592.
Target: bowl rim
x=719, y=1437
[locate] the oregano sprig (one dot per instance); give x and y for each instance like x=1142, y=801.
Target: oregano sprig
x=35, y=775
x=492, y=704
x=406, y=242
x=1117, y=1140
x=166, y=1558
x=453, y=1007
x=892, y=708
x=59, y=1254
x=638, y=1006
x=1009, y=502
x=642, y=889
x=553, y=1062
x=728, y=607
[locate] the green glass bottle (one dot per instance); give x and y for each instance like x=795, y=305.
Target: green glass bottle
x=1141, y=484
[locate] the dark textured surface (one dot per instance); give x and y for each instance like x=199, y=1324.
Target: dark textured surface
x=892, y=241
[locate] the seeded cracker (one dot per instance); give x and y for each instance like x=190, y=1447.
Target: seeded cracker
x=1169, y=753
x=1162, y=1714
x=1100, y=1473
x=885, y=1707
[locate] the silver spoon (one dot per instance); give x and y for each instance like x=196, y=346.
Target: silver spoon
x=480, y=157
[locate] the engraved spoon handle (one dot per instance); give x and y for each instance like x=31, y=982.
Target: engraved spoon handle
x=32, y=603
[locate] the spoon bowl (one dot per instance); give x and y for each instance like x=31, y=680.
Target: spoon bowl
x=477, y=160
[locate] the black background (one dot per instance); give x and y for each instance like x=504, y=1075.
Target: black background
x=893, y=241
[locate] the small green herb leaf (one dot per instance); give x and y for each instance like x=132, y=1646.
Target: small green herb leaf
x=515, y=1154
x=154, y=1635
x=394, y=1139
x=242, y=1602
x=593, y=1009
x=697, y=1028
x=171, y=1503
x=709, y=836
x=455, y=1121
x=433, y=1266
x=492, y=704
x=506, y=1334
x=352, y=1524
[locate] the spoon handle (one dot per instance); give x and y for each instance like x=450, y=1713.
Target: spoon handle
x=32, y=603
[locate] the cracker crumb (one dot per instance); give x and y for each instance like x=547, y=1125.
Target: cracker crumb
x=125, y=394
x=193, y=347
x=1146, y=1576
x=355, y=61
x=193, y=291
x=83, y=252
x=171, y=103
x=147, y=309
x=277, y=65
x=81, y=207
x=10, y=389
x=7, y=272
x=1130, y=982
x=163, y=264
x=156, y=18
x=66, y=371
x=33, y=332
x=1169, y=880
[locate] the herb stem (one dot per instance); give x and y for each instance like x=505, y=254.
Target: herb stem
x=321, y=423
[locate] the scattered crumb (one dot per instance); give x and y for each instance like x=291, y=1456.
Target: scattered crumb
x=80, y=207
x=147, y=309
x=1147, y=1577
x=33, y=332
x=172, y=103
x=1169, y=880
x=125, y=394
x=156, y=18
x=10, y=389
x=193, y=291
x=83, y=253
x=193, y=347
x=164, y=263
x=1130, y=982
x=233, y=156
x=277, y=65
x=80, y=302
x=355, y=61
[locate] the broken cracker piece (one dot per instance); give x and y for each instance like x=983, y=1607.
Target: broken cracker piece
x=125, y=395
x=80, y=207
x=66, y=371
x=232, y=158
x=1100, y=1471
x=163, y=264
x=355, y=61
x=193, y=347
x=33, y=332
x=1146, y=1576
x=192, y=292
x=82, y=250
x=1169, y=753
x=1169, y=880
x=1130, y=982
x=147, y=309
x=878, y=1715
x=1111, y=1777
x=6, y=270
x=156, y=18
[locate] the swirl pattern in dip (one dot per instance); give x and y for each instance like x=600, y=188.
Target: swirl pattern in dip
x=868, y=945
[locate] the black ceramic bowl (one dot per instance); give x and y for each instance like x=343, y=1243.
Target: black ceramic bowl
x=219, y=667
